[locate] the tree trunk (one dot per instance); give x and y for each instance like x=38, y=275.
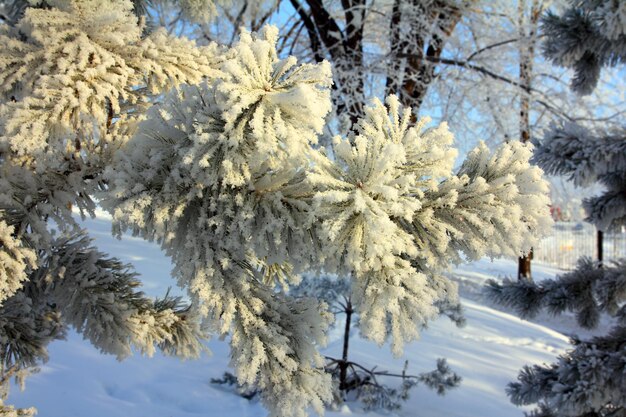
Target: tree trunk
x=413, y=55
x=343, y=364
x=346, y=50
x=392, y=83
x=422, y=47
x=527, y=55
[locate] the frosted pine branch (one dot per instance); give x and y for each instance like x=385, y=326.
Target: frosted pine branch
x=15, y=261
x=588, y=380
x=74, y=68
x=97, y=296
x=587, y=291
x=586, y=157
x=588, y=36
x=581, y=155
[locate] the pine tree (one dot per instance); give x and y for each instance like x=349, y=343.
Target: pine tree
x=212, y=152
x=226, y=177
x=589, y=379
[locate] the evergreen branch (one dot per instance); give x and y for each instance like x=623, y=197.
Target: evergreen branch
x=586, y=291
x=587, y=380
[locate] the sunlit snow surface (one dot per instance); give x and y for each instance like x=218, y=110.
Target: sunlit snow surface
x=79, y=381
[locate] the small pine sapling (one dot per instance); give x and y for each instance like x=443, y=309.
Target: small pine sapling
x=355, y=380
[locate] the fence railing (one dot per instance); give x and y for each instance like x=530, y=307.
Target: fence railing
x=572, y=240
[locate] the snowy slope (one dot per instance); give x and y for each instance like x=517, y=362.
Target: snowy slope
x=488, y=352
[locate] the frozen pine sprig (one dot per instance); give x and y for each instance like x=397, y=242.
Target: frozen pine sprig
x=376, y=179
x=586, y=37
x=362, y=196
x=395, y=214
x=77, y=67
x=442, y=378
x=359, y=197
x=585, y=156
x=395, y=304
x=587, y=380
x=16, y=261
x=274, y=348
x=277, y=102
x=216, y=174
x=496, y=205
x=586, y=291
x=230, y=151
x=98, y=296
x=231, y=145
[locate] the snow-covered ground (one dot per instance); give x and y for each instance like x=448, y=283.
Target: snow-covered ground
x=487, y=353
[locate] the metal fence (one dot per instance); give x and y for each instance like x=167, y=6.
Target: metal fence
x=572, y=240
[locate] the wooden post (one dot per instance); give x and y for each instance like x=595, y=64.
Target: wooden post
x=599, y=242
x=523, y=266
